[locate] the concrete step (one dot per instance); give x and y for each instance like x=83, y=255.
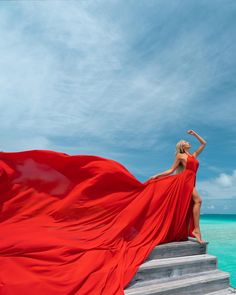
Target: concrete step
x=194, y=284
x=175, y=267
x=177, y=249
x=226, y=291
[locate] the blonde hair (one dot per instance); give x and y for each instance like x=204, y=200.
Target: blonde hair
x=179, y=149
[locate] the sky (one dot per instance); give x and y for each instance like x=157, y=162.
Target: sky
x=124, y=80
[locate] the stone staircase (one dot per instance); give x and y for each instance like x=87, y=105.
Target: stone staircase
x=182, y=268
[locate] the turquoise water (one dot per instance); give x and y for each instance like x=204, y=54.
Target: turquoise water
x=220, y=231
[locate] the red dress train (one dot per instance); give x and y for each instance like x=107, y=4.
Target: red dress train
x=83, y=224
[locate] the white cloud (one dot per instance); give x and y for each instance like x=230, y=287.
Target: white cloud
x=225, y=180
x=220, y=187
x=211, y=207
x=64, y=71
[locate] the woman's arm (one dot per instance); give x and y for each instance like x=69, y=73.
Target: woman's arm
x=171, y=170
x=202, y=141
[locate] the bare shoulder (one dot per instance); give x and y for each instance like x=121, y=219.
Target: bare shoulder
x=182, y=158
x=179, y=156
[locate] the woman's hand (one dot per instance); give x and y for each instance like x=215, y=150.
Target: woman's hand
x=203, y=142
x=153, y=177
x=191, y=132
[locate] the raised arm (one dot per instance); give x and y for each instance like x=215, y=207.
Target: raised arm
x=202, y=141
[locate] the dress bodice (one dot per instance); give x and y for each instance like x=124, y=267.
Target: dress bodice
x=192, y=163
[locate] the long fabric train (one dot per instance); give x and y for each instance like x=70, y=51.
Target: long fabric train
x=83, y=224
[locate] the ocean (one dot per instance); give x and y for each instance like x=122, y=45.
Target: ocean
x=220, y=231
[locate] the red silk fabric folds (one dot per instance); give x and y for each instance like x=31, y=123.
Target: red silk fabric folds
x=83, y=224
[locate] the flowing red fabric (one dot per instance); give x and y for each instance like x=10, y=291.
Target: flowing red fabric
x=83, y=224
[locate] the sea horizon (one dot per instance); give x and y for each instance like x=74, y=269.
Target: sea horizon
x=217, y=213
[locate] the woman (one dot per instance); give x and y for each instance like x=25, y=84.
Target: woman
x=182, y=153
x=83, y=224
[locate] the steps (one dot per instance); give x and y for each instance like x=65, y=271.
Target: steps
x=180, y=268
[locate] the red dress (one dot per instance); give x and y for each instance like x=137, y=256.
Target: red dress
x=83, y=224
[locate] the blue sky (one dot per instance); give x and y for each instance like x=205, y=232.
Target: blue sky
x=124, y=80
